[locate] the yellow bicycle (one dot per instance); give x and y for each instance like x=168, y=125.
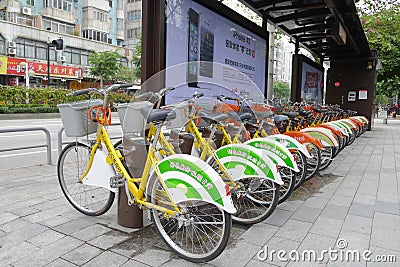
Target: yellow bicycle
x=189, y=203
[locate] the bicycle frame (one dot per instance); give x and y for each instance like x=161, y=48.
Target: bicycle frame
x=114, y=158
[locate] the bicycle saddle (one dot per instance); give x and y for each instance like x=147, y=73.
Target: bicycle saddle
x=291, y=115
x=279, y=118
x=159, y=115
x=212, y=119
x=305, y=113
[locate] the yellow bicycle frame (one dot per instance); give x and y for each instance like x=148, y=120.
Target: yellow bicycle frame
x=114, y=158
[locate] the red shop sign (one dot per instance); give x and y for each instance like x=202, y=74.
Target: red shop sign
x=55, y=70
x=13, y=67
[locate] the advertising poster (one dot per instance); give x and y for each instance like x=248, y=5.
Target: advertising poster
x=208, y=53
x=312, y=85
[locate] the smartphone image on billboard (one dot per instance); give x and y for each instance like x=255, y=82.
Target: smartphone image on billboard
x=206, y=52
x=193, y=44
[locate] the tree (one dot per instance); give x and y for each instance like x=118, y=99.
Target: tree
x=105, y=65
x=281, y=89
x=380, y=20
x=133, y=72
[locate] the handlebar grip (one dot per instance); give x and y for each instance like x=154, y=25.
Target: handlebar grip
x=80, y=92
x=165, y=90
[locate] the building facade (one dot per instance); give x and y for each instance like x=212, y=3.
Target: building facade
x=27, y=26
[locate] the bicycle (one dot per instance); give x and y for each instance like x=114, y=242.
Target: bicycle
x=190, y=204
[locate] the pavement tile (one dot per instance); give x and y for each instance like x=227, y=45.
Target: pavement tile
x=21, y=234
x=7, y=217
x=278, y=217
x=108, y=240
x=341, y=201
x=108, y=259
x=386, y=231
x=327, y=226
x=82, y=254
x=291, y=205
x=14, y=225
x=256, y=263
x=49, y=253
x=362, y=210
x=154, y=256
x=387, y=207
x=334, y=212
x=91, y=232
x=358, y=224
x=346, y=191
x=75, y=225
x=135, y=263
x=306, y=214
x=175, y=262
x=354, y=240
x=295, y=230
x=43, y=239
x=60, y=263
x=259, y=233
x=14, y=253
x=364, y=199
x=316, y=202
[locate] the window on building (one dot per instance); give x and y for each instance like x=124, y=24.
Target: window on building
x=134, y=1
x=57, y=26
x=120, y=4
x=2, y=45
x=134, y=15
x=65, y=5
x=120, y=24
x=98, y=15
x=95, y=35
x=133, y=33
x=30, y=2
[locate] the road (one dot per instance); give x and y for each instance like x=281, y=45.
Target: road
x=34, y=156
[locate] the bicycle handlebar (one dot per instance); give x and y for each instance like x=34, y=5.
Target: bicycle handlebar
x=81, y=92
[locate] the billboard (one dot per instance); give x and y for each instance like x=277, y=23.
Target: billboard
x=312, y=81
x=207, y=52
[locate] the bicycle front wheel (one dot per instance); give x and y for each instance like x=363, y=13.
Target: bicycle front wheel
x=90, y=200
x=199, y=234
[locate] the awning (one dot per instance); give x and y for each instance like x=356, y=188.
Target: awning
x=331, y=29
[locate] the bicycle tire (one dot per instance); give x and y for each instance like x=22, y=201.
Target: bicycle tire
x=302, y=165
x=251, y=207
x=289, y=181
x=178, y=231
x=327, y=156
x=314, y=162
x=89, y=200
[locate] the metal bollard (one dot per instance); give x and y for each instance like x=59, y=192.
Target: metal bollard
x=384, y=120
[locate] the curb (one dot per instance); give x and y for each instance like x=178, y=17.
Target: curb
x=24, y=116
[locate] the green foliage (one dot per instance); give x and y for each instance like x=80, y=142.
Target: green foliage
x=281, y=90
x=382, y=100
x=105, y=65
x=22, y=100
x=381, y=20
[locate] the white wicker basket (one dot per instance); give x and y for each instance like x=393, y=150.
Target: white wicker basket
x=75, y=117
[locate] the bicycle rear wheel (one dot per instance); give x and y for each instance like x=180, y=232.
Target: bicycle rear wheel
x=302, y=165
x=289, y=181
x=199, y=234
x=255, y=200
x=327, y=156
x=90, y=200
x=314, y=162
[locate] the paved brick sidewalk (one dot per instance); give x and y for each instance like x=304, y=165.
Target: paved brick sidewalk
x=355, y=199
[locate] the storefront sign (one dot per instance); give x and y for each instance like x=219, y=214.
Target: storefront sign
x=83, y=85
x=13, y=66
x=3, y=64
x=55, y=70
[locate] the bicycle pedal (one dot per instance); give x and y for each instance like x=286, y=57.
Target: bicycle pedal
x=117, y=181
